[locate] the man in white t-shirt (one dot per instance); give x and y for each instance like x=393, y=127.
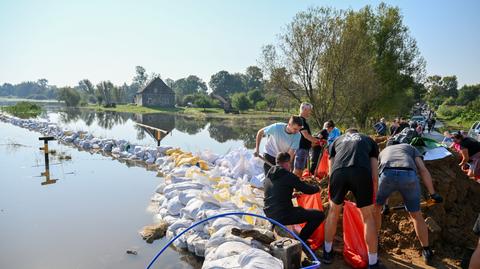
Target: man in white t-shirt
x=281, y=137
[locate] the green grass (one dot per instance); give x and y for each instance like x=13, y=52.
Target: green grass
x=23, y=109
x=189, y=111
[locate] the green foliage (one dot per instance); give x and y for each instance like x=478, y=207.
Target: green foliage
x=69, y=95
x=226, y=84
x=261, y=105
x=240, y=101
x=450, y=112
x=450, y=101
x=23, y=109
x=467, y=94
x=255, y=96
x=188, y=86
x=202, y=101
x=30, y=89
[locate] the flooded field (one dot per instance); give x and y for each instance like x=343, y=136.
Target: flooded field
x=91, y=216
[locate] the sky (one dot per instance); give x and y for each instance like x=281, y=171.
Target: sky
x=66, y=41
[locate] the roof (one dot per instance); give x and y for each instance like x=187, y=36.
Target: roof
x=159, y=84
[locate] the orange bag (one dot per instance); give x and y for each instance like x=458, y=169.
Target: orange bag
x=313, y=201
x=355, y=249
x=322, y=167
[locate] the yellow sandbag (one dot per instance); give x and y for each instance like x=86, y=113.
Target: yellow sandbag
x=222, y=195
x=187, y=160
x=203, y=165
x=250, y=219
x=171, y=151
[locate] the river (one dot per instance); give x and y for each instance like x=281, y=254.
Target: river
x=92, y=214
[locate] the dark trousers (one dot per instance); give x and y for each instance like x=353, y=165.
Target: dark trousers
x=266, y=166
x=298, y=215
x=316, y=153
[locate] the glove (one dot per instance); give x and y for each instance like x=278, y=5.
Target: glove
x=438, y=199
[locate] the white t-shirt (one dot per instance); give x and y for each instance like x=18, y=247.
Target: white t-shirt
x=278, y=140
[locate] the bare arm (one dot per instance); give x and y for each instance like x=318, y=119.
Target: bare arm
x=309, y=137
x=374, y=166
x=465, y=157
x=258, y=140
x=291, y=152
x=330, y=163
x=425, y=175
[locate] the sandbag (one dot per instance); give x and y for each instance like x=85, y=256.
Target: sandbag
x=322, y=168
x=355, y=250
x=258, y=259
x=227, y=262
x=313, y=201
x=227, y=249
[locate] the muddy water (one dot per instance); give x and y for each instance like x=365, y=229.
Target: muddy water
x=92, y=214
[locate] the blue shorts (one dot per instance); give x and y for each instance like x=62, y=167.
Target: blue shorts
x=404, y=181
x=301, y=156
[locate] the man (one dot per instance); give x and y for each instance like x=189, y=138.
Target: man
x=393, y=128
x=398, y=167
x=302, y=154
x=470, y=151
x=403, y=124
x=380, y=127
x=333, y=132
x=353, y=167
x=317, y=150
x=278, y=187
x=281, y=138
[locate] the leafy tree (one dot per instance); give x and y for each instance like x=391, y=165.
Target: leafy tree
x=141, y=76
x=69, y=95
x=226, y=84
x=467, y=94
x=202, y=101
x=253, y=78
x=240, y=101
x=87, y=86
x=189, y=85
x=255, y=96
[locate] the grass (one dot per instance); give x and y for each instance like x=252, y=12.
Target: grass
x=189, y=111
x=23, y=109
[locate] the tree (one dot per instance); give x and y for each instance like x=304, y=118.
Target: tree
x=226, y=84
x=467, y=94
x=440, y=88
x=202, y=101
x=187, y=86
x=86, y=86
x=348, y=64
x=254, y=78
x=70, y=96
x=240, y=101
x=255, y=96
x=261, y=105
x=141, y=76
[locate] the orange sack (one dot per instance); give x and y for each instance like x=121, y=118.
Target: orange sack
x=322, y=167
x=355, y=250
x=313, y=201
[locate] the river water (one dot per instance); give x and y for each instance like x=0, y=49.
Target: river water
x=92, y=214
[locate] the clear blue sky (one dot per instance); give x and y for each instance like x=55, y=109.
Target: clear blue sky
x=66, y=41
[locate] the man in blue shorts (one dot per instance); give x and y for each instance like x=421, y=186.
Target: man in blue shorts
x=398, y=168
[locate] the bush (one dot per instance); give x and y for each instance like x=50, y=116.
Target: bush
x=255, y=96
x=450, y=101
x=24, y=109
x=240, y=101
x=69, y=95
x=261, y=106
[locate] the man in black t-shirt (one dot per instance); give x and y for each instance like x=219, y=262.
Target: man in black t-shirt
x=353, y=167
x=303, y=151
x=278, y=187
x=470, y=151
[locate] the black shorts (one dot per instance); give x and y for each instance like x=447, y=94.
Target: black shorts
x=358, y=180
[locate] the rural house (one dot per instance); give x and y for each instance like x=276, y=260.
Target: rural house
x=155, y=93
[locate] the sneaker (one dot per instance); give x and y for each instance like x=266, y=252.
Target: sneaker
x=327, y=257
x=378, y=265
x=427, y=255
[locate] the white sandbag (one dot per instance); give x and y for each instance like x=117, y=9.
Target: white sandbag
x=170, y=219
x=228, y=262
x=181, y=241
x=158, y=198
x=174, y=206
x=257, y=181
x=174, y=180
x=187, y=195
x=227, y=249
x=208, y=156
x=194, y=206
x=229, y=220
x=199, y=246
x=179, y=223
x=182, y=186
x=258, y=259
x=192, y=240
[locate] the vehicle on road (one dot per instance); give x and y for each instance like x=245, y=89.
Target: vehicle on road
x=421, y=120
x=475, y=131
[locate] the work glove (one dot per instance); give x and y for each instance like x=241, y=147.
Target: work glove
x=438, y=199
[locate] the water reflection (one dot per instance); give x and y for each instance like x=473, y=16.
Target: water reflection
x=221, y=130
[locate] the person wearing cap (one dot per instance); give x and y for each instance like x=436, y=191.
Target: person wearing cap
x=281, y=137
x=398, y=168
x=333, y=132
x=303, y=152
x=278, y=186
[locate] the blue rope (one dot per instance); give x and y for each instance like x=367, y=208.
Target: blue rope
x=316, y=262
